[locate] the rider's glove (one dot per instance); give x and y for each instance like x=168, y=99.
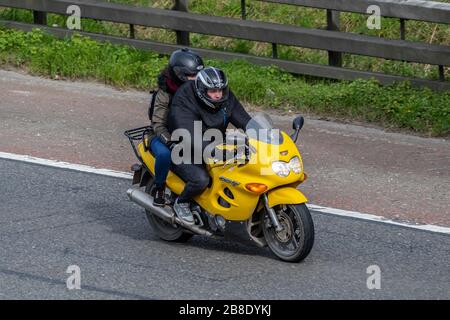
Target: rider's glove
x=230, y=156
x=222, y=155
x=171, y=144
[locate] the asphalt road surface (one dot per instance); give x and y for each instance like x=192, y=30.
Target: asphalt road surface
x=52, y=218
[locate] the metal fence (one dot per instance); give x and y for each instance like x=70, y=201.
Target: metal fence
x=331, y=39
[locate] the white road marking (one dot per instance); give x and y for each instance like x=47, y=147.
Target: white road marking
x=371, y=217
x=65, y=165
x=126, y=175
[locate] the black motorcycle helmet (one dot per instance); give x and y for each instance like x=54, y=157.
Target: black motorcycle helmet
x=211, y=78
x=184, y=63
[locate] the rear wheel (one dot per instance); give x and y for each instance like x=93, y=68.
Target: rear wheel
x=295, y=241
x=165, y=230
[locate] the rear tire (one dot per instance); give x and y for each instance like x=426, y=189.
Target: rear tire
x=295, y=242
x=165, y=230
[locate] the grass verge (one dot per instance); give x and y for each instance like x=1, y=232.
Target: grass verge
x=78, y=57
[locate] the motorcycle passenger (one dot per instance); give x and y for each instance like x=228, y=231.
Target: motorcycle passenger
x=209, y=100
x=183, y=66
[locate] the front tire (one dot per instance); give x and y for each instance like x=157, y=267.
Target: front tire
x=295, y=241
x=165, y=230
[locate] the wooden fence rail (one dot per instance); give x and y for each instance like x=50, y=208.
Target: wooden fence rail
x=331, y=40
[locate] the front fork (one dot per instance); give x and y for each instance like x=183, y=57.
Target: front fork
x=272, y=214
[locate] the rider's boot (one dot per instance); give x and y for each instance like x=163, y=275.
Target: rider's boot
x=183, y=211
x=159, y=196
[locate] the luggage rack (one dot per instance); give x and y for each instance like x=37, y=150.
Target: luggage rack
x=135, y=136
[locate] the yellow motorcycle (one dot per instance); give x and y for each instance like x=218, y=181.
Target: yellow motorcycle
x=256, y=190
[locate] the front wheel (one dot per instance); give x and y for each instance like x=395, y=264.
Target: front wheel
x=295, y=241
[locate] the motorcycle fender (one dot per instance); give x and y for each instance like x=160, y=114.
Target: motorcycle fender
x=285, y=195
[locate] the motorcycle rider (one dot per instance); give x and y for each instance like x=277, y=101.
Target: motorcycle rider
x=183, y=66
x=207, y=99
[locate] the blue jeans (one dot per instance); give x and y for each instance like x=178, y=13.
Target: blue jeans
x=162, y=161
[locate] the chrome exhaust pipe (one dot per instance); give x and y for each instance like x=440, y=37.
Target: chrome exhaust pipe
x=146, y=201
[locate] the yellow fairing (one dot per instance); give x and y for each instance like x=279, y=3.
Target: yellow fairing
x=173, y=181
x=285, y=195
x=227, y=196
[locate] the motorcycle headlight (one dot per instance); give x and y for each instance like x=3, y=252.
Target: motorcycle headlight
x=295, y=165
x=281, y=168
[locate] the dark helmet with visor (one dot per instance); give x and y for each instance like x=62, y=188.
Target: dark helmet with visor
x=211, y=78
x=184, y=63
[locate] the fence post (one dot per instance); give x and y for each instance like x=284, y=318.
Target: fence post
x=441, y=73
x=40, y=17
x=182, y=36
x=402, y=29
x=274, y=51
x=243, y=11
x=132, y=32
x=333, y=23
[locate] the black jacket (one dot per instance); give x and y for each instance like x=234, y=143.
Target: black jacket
x=187, y=108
